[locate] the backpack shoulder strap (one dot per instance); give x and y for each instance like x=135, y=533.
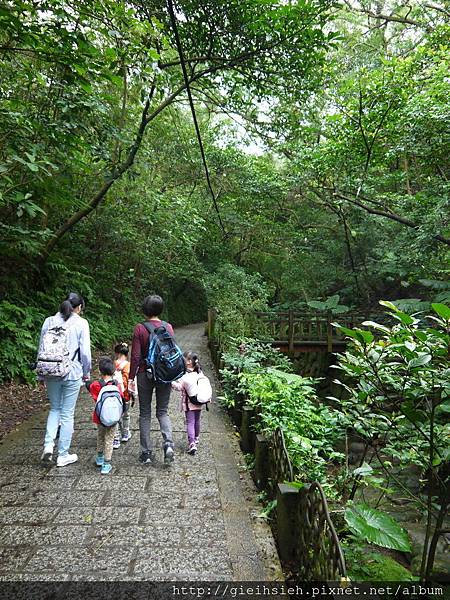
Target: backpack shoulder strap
x=149, y=326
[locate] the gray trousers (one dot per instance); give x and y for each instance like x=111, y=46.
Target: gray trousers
x=145, y=391
x=123, y=426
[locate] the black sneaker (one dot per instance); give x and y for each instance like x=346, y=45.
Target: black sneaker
x=168, y=455
x=46, y=458
x=146, y=458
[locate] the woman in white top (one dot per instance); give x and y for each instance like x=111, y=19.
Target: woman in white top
x=63, y=391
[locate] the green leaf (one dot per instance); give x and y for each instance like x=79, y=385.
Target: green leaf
x=442, y=310
x=375, y=325
x=421, y=360
x=348, y=332
x=413, y=414
x=389, y=305
x=404, y=318
x=289, y=377
x=377, y=527
x=363, y=470
x=367, y=336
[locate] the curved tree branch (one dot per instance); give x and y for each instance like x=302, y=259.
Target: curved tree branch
x=389, y=215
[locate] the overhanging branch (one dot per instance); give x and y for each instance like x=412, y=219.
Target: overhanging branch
x=389, y=215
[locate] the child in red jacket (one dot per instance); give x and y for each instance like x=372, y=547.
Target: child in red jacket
x=105, y=435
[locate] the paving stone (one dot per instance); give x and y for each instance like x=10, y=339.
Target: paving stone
x=127, y=484
x=36, y=515
x=35, y=577
x=29, y=535
x=43, y=498
x=13, y=558
x=248, y=567
x=204, y=532
x=88, y=515
x=191, y=562
x=203, y=501
x=100, y=557
x=30, y=485
x=144, y=499
x=137, y=535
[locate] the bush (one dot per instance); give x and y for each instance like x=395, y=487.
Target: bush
x=285, y=400
x=18, y=327
x=289, y=401
x=235, y=294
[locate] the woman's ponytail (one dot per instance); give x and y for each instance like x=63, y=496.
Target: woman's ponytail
x=66, y=309
x=72, y=301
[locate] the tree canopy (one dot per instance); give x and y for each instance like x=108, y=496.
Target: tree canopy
x=102, y=185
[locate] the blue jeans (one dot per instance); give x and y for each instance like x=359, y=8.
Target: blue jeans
x=63, y=395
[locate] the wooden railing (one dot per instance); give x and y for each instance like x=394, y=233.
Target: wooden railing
x=291, y=328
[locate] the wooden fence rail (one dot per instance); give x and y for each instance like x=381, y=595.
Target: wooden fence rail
x=293, y=331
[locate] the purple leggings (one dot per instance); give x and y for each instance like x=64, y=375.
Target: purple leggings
x=193, y=424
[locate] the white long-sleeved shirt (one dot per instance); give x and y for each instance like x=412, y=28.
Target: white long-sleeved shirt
x=78, y=336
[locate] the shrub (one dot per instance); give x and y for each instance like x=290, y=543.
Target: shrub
x=235, y=294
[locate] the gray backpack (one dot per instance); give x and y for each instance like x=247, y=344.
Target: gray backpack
x=109, y=406
x=53, y=357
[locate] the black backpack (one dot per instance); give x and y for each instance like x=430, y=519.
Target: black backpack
x=164, y=358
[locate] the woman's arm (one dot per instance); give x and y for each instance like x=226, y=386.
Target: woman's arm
x=85, y=349
x=135, y=353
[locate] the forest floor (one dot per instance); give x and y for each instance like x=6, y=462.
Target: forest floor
x=18, y=403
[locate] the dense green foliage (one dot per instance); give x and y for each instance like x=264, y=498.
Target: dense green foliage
x=398, y=400
x=101, y=184
x=103, y=191
x=309, y=428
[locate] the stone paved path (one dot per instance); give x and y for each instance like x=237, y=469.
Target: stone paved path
x=195, y=520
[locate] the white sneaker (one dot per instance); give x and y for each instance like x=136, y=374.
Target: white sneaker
x=192, y=448
x=67, y=459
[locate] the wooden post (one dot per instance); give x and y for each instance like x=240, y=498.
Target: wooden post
x=329, y=332
x=261, y=461
x=209, y=323
x=246, y=430
x=287, y=521
x=291, y=331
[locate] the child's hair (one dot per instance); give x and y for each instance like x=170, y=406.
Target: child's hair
x=193, y=357
x=121, y=348
x=152, y=306
x=106, y=366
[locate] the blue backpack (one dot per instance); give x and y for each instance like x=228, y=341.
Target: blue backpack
x=164, y=358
